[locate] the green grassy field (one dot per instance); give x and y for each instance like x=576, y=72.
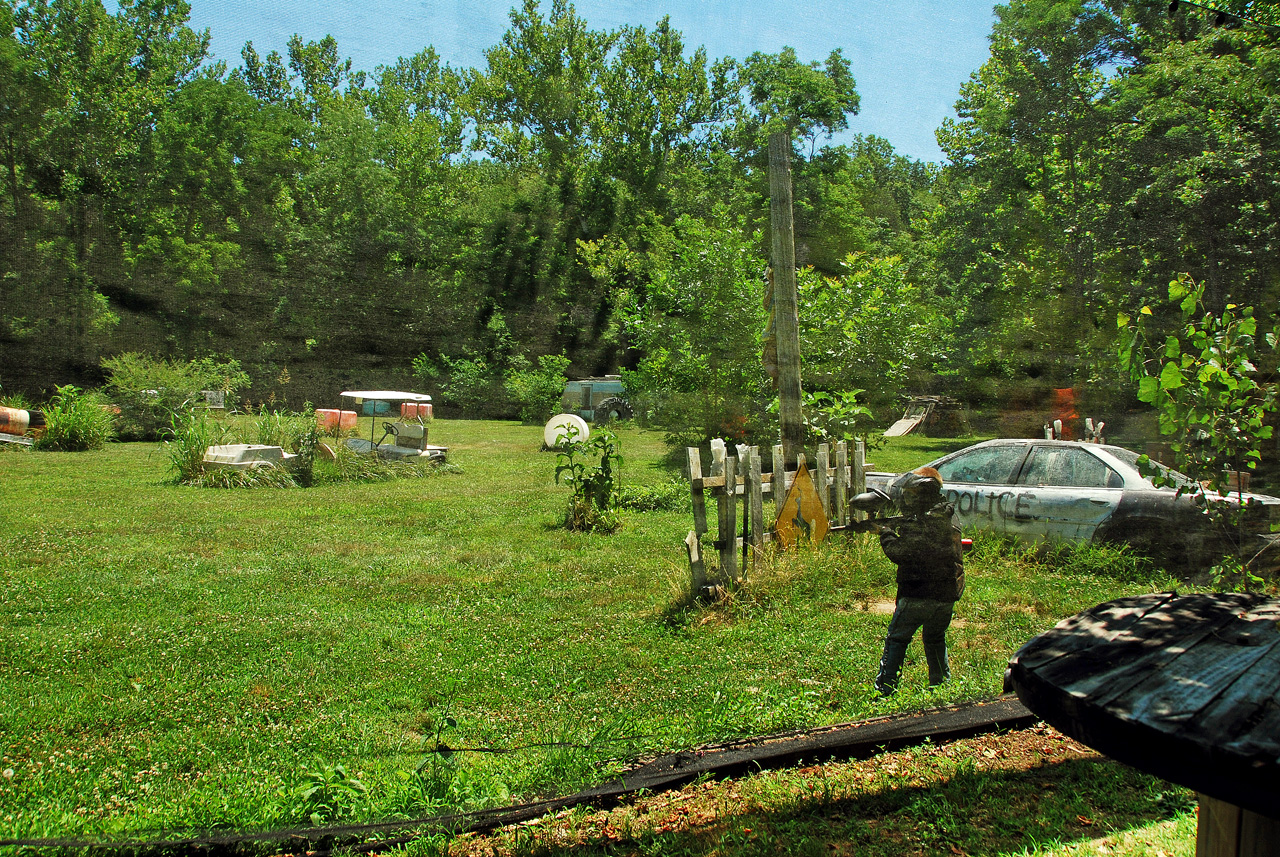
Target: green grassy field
x=177, y=658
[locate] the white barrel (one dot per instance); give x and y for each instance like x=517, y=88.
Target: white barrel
x=557, y=430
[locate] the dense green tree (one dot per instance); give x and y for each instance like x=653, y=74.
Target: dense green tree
x=92, y=86
x=698, y=330
x=1102, y=149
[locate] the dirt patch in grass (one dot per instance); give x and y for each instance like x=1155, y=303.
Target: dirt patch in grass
x=994, y=794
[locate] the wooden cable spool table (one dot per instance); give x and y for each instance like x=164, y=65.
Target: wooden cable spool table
x=1186, y=687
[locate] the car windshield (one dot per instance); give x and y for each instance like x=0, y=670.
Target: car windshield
x=1174, y=478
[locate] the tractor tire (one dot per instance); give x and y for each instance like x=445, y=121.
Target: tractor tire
x=613, y=408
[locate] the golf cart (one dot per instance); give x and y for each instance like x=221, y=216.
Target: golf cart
x=408, y=434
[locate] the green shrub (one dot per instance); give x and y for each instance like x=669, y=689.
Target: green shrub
x=590, y=467
x=75, y=420
x=537, y=392
x=150, y=390
x=474, y=387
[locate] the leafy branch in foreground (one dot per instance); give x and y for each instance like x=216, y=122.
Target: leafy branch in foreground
x=1204, y=386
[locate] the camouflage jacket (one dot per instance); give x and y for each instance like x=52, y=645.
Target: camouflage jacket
x=926, y=548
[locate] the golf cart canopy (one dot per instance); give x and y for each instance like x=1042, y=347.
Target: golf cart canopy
x=390, y=396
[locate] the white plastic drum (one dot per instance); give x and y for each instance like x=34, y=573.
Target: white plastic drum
x=557, y=429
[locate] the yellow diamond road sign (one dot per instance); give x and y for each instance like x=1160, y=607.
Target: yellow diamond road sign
x=801, y=516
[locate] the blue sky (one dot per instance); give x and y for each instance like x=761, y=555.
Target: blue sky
x=909, y=58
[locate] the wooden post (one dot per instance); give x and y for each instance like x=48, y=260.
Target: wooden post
x=744, y=467
x=841, y=516
x=697, y=568
x=785, y=313
x=727, y=509
x=1226, y=830
x=779, y=482
x=695, y=487
x=859, y=467
x=756, y=502
x=822, y=478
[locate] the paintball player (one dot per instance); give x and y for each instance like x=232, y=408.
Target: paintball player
x=924, y=542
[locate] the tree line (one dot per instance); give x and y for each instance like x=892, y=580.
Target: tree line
x=602, y=195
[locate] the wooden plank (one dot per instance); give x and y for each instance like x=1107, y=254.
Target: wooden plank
x=780, y=481
x=749, y=488
x=1178, y=692
x=756, y=502
x=859, y=479
x=1086, y=629
x=841, y=516
x=1231, y=716
x=696, y=487
x=1156, y=640
x=697, y=566
x=1217, y=828
x=822, y=480
x=727, y=506
x=1259, y=835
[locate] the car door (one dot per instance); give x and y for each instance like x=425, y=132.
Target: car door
x=1063, y=492
x=979, y=482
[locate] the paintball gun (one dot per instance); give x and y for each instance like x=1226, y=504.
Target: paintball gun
x=873, y=502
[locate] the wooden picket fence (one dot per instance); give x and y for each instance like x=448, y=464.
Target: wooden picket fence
x=735, y=478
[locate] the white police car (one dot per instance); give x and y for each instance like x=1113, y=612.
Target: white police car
x=1036, y=490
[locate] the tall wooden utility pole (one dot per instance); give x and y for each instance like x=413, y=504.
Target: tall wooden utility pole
x=785, y=313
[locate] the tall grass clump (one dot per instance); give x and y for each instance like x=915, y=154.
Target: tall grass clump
x=16, y=401
x=284, y=429
x=346, y=465
x=190, y=434
x=75, y=420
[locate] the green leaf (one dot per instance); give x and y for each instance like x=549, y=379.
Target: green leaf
x=1172, y=347
x=1147, y=390
x=1171, y=377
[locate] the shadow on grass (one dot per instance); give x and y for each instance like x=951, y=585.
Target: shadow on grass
x=977, y=813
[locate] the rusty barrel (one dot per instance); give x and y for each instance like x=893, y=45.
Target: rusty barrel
x=19, y=422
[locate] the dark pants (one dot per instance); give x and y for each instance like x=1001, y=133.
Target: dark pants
x=910, y=615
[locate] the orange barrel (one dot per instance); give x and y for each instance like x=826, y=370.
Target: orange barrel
x=15, y=421
x=332, y=419
x=416, y=409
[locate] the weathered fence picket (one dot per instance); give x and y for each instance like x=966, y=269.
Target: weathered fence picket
x=737, y=476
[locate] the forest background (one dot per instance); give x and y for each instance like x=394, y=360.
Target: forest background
x=594, y=201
